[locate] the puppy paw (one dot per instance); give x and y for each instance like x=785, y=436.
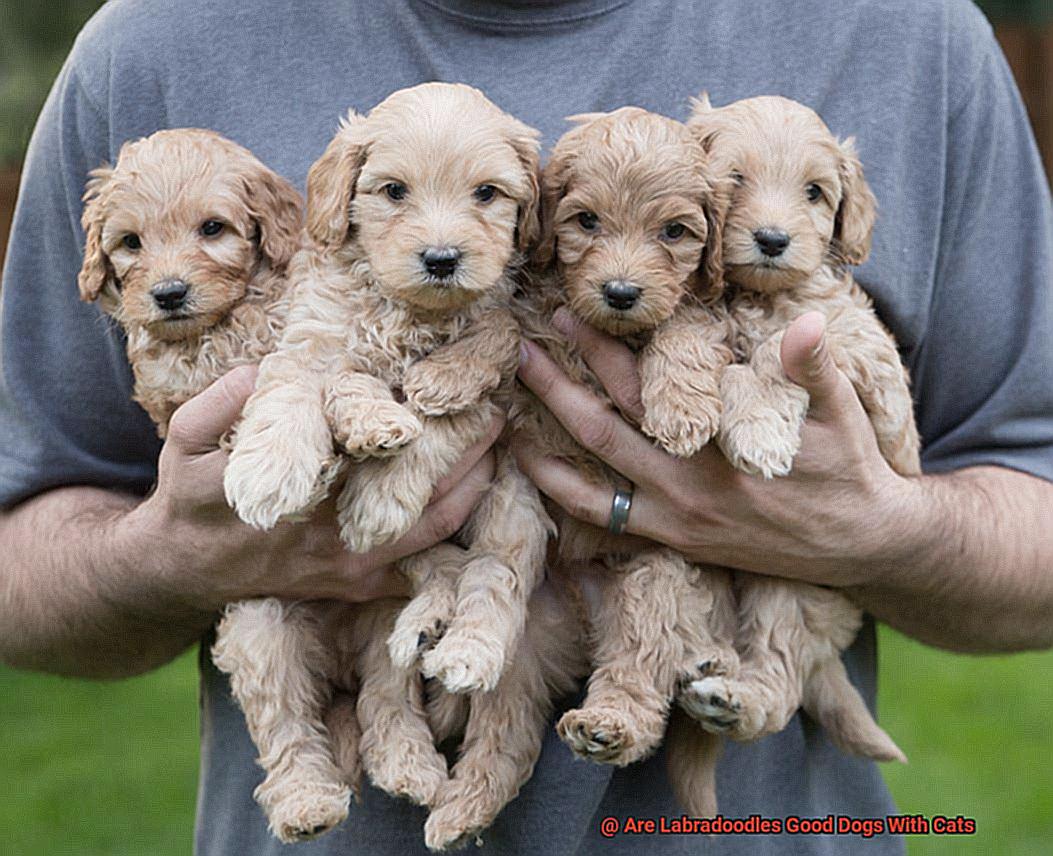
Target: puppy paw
x=309, y=811
x=407, y=774
x=606, y=736
x=764, y=444
x=437, y=388
x=416, y=631
x=465, y=809
x=264, y=488
x=682, y=427
x=465, y=663
x=375, y=428
x=724, y=706
x=721, y=661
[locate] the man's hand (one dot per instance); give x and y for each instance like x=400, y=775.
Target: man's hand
x=223, y=559
x=837, y=512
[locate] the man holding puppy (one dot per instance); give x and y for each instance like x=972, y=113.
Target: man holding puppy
x=102, y=582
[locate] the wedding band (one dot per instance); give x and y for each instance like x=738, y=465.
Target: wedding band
x=620, y=505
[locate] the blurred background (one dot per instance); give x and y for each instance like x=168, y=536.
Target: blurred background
x=90, y=769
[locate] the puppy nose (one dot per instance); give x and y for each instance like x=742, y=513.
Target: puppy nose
x=170, y=294
x=620, y=294
x=441, y=262
x=772, y=242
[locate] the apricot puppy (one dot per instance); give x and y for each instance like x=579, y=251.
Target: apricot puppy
x=798, y=214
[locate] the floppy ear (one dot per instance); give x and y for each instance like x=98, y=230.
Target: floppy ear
x=331, y=182
x=277, y=208
x=95, y=270
x=854, y=222
x=555, y=178
x=524, y=141
x=715, y=204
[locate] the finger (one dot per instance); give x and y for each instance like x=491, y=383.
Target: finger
x=588, y=420
x=581, y=499
x=470, y=458
x=610, y=360
x=806, y=360
x=445, y=515
x=197, y=425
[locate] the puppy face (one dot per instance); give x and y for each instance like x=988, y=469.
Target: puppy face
x=797, y=196
x=437, y=188
x=176, y=230
x=627, y=206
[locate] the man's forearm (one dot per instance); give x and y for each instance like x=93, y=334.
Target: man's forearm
x=973, y=563
x=82, y=594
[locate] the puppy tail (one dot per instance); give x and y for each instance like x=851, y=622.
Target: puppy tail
x=691, y=762
x=832, y=700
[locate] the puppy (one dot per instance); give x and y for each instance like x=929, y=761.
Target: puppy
x=188, y=238
x=631, y=245
x=798, y=213
x=399, y=350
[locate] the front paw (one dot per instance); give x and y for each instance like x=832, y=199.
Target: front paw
x=439, y=388
x=605, y=736
x=465, y=661
x=725, y=706
x=762, y=444
x=682, y=427
x=375, y=428
x=371, y=514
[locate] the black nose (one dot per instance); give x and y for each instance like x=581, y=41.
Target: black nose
x=441, y=262
x=772, y=242
x=170, y=294
x=620, y=294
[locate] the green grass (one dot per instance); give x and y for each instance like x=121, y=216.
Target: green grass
x=95, y=769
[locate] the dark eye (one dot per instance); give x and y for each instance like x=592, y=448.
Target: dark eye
x=210, y=228
x=737, y=177
x=588, y=221
x=395, y=190
x=814, y=192
x=485, y=192
x=132, y=242
x=673, y=231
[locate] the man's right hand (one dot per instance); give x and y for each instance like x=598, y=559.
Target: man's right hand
x=211, y=557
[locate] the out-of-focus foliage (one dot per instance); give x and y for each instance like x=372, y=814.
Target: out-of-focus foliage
x=34, y=39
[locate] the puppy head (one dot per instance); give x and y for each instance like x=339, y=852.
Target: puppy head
x=628, y=211
x=436, y=188
x=177, y=229
x=797, y=198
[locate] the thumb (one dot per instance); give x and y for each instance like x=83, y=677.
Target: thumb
x=807, y=362
x=197, y=425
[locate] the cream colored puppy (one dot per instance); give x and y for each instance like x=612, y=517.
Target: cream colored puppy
x=798, y=214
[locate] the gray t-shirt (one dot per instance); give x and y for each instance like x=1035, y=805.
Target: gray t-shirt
x=961, y=272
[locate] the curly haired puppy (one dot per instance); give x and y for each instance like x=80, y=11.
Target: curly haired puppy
x=188, y=238
x=632, y=247
x=798, y=214
x=399, y=347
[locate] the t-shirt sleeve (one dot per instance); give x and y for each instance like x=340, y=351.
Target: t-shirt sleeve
x=66, y=415
x=984, y=374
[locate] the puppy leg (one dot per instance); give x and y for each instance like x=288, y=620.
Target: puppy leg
x=508, y=533
x=650, y=628
x=760, y=431
x=680, y=372
x=278, y=669
x=691, y=763
x=345, y=734
x=384, y=498
x=505, y=727
x=433, y=577
x=283, y=461
x=364, y=417
x=397, y=748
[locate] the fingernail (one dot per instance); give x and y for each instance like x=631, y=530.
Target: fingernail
x=563, y=321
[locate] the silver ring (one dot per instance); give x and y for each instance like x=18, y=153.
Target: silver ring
x=620, y=505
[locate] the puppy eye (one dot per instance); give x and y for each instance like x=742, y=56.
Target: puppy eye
x=588, y=221
x=737, y=177
x=484, y=193
x=132, y=242
x=673, y=231
x=211, y=228
x=395, y=190
x=814, y=192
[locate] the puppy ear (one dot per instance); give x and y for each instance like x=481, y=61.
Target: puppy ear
x=277, y=208
x=854, y=222
x=331, y=182
x=715, y=206
x=555, y=178
x=524, y=141
x=95, y=270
